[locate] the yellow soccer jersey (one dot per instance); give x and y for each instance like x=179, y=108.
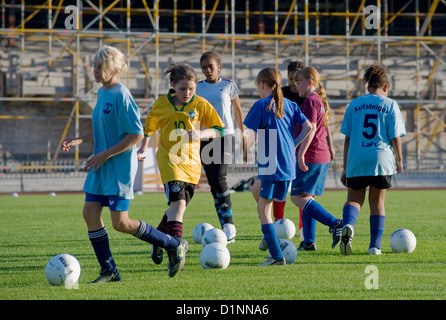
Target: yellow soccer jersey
x=177, y=157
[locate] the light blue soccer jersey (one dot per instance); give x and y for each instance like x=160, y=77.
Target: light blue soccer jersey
x=371, y=122
x=114, y=116
x=275, y=143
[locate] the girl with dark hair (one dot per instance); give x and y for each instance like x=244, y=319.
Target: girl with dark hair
x=216, y=154
x=373, y=126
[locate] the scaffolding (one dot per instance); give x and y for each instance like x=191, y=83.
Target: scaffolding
x=246, y=34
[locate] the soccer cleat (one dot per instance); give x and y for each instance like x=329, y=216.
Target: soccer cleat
x=346, y=239
x=337, y=232
x=374, y=251
x=263, y=245
x=230, y=231
x=157, y=254
x=309, y=246
x=273, y=262
x=177, y=258
x=107, y=276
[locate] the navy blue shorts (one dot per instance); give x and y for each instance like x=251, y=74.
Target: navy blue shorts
x=114, y=203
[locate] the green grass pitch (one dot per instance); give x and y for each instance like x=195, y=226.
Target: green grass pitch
x=36, y=227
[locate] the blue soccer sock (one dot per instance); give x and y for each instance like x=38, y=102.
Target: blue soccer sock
x=376, y=230
x=225, y=216
x=152, y=235
x=270, y=236
x=316, y=211
x=349, y=215
x=101, y=247
x=308, y=228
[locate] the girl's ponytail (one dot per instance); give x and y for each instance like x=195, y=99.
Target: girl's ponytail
x=272, y=77
x=278, y=99
x=327, y=116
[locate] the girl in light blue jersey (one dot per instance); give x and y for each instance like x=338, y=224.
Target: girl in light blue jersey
x=373, y=126
x=112, y=168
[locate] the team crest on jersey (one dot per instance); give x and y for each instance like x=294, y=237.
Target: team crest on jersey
x=192, y=115
x=107, y=108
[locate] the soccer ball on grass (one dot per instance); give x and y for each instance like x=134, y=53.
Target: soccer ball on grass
x=403, y=240
x=199, y=230
x=285, y=229
x=215, y=256
x=289, y=250
x=63, y=269
x=214, y=235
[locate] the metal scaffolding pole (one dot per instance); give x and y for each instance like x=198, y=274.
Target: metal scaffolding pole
x=233, y=40
x=418, y=110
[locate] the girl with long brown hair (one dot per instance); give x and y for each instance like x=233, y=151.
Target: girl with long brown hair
x=273, y=119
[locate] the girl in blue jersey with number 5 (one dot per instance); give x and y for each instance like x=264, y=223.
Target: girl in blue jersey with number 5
x=112, y=168
x=373, y=126
x=274, y=118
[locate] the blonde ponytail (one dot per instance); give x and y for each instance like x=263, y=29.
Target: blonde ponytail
x=327, y=116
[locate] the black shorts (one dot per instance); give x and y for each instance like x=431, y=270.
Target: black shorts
x=378, y=182
x=179, y=190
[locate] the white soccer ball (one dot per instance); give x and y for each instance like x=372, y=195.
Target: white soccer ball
x=63, y=269
x=215, y=256
x=285, y=229
x=214, y=235
x=403, y=240
x=289, y=250
x=199, y=230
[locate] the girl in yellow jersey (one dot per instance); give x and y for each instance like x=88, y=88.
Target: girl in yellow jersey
x=179, y=116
